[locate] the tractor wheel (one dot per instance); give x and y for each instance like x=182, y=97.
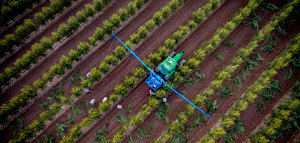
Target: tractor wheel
x=172, y=54
x=182, y=62
x=156, y=70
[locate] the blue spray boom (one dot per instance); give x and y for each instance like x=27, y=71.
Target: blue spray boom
x=153, y=75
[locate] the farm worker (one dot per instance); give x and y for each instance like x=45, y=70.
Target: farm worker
x=86, y=89
x=119, y=106
x=88, y=75
x=104, y=99
x=92, y=101
x=151, y=92
x=165, y=99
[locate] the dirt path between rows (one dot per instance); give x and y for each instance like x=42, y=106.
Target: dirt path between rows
x=225, y=104
x=45, y=31
x=54, y=56
x=13, y=26
x=215, y=65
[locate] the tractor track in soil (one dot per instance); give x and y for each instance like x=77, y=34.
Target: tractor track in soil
x=44, y=31
x=54, y=56
x=225, y=104
x=92, y=60
x=210, y=61
x=10, y=28
x=250, y=121
x=99, y=54
x=136, y=96
x=102, y=88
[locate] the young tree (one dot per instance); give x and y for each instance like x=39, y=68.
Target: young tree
x=81, y=17
x=99, y=34
x=46, y=43
x=48, y=12
x=170, y=43
x=83, y=47
x=74, y=55
x=104, y=67
x=39, y=84
x=120, y=52
x=135, y=38
x=131, y=7
x=113, y=97
x=95, y=74
x=57, y=5
x=163, y=51
x=56, y=36
x=89, y=10
x=129, y=81
x=29, y=26
x=157, y=17
x=66, y=62
x=139, y=3
x=40, y=18
x=98, y=5
x=192, y=24
x=138, y=72
x=115, y=20
x=174, y=5
x=77, y=91
x=64, y=30
x=110, y=59
x=150, y=24
x=155, y=58
x=123, y=13
x=73, y=22
x=142, y=31
x=121, y=90
x=166, y=11
x=104, y=106
x=108, y=26
x=47, y=77
x=10, y=41
x=193, y=63
x=217, y=133
x=136, y=119
x=57, y=69
x=21, y=31
x=38, y=49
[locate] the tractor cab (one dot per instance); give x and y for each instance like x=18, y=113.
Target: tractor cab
x=168, y=67
x=164, y=70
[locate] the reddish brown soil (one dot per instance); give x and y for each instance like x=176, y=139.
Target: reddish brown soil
x=55, y=55
x=12, y=27
x=45, y=31
x=241, y=31
x=226, y=104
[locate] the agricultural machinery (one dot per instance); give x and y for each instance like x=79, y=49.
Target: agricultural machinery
x=162, y=72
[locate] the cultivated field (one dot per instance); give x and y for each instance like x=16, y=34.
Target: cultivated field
x=242, y=68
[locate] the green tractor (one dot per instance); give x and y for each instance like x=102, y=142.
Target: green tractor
x=168, y=67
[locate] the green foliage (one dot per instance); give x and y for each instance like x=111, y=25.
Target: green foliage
x=158, y=17
x=237, y=82
x=287, y=73
x=120, y=118
x=211, y=106
x=225, y=91
x=98, y=5
x=142, y=31
x=61, y=129
x=135, y=38
x=123, y=13
x=162, y=113
x=73, y=22
x=129, y=81
x=77, y=91
x=219, y=57
x=228, y=43
x=115, y=20
x=104, y=67
x=40, y=18
x=166, y=11
x=57, y=69
x=131, y=7
x=104, y=106
x=280, y=32
x=121, y=90
x=138, y=72
x=199, y=76
x=150, y=24
x=89, y=10
x=120, y=52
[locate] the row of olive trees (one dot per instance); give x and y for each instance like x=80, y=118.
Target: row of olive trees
x=32, y=57
x=282, y=113
x=278, y=63
x=39, y=50
x=23, y=31
x=121, y=90
x=13, y=8
x=66, y=62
